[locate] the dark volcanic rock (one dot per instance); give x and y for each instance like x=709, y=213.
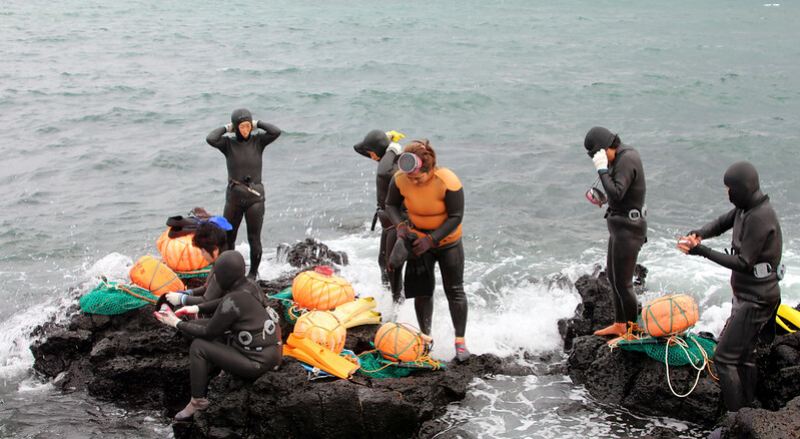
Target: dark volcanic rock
x=134, y=361
x=763, y=424
x=634, y=381
x=309, y=253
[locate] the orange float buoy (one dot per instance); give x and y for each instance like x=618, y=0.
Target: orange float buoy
x=319, y=289
x=669, y=315
x=179, y=253
x=153, y=275
x=323, y=328
x=401, y=342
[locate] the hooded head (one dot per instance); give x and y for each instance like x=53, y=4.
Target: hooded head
x=238, y=116
x=374, y=142
x=744, y=190
x=596, y=139
x=229, y=269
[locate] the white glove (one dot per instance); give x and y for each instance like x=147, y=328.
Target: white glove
x=229, y=127
x=255, y=124
x=174, y=298
x=600, y=160
x=167, y=317
x=394, y=146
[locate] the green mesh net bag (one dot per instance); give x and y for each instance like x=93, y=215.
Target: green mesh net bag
x=290, y=312
x=374, y=365
x=195, y=274
x=679, y=351
x=114, y=298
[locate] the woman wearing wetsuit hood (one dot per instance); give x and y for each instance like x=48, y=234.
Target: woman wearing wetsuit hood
x=756, y=269
x=244, y=197
x=620, y=171
x=253, y=334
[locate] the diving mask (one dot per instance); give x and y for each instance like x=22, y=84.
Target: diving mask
x=409, y=163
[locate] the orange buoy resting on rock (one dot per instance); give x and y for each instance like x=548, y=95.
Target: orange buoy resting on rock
x=154, y=276
x=323, y=328
x=669, y=315
x=320, y=289
x=179, y=253
x=402, y=342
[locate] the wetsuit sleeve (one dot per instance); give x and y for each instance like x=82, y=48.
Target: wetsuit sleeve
x=209, y=306
x=718, y=226
x=210, y=291
x=394, y=201
x=624, y=175
x=384, y=176
x=754, y=235
x=218, y=140
x=271, y=132
x=199, y=291
x=225, y=316
x=454, y=202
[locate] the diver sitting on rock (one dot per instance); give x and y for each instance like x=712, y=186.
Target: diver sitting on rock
x=434, y=199
x=211, y=239
x=254, y=340
x=756, y=269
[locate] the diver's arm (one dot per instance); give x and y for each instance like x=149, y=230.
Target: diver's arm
x=617, y=186
x=716, y=227
x=754, y=236
x=217, y=138
x=384, y=176
x=222, y=320
x=454, y=202
x=394, y=201
x=209, y=306
x=271, y=132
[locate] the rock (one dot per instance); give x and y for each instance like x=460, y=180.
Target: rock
x=638, y=383
x=764, y=424
x=309, y=253
x=136, y=362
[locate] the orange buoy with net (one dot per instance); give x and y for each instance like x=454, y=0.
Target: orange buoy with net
x=669, y=315
x=323, y=328
x=154, y=276
x=179, y=253
x=319, y=289
x=401, y=342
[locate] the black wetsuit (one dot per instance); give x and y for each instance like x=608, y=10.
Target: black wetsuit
x=624, y=184
x=419, y=272
x=756, y=239
x=243, y=158
x=377, y=143
x=253, y=346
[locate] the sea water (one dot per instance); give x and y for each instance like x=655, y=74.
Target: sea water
x=104, y=109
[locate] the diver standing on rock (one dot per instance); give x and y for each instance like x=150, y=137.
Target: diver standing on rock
x=383, y=148
x=434, y=199
x=254, y=336
x=756, y=269
x=622, y=176
x=244, y=197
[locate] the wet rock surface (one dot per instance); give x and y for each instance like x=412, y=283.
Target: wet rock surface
x=135, y=361
x=638, y=383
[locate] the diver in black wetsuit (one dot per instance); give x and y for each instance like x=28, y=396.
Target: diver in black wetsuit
x=624, y=183
x=378, y=146
x=254, y=339
x=211, y=240
x=244, y=197
x=755, y=263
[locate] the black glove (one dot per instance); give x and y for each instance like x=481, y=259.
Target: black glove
x=423, y=244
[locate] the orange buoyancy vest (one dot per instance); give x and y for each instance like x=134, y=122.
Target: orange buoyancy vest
x=425, y=204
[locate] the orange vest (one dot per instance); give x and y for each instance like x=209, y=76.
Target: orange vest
x=425, y=204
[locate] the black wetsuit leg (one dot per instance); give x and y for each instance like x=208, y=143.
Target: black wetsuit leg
x=383, y=255
x=451, y=266
x=733, y=357
x=234, y=214
x=394, y=277
x=626, y=238
x=206, y=356
x=255, y=220
x=418, y=284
